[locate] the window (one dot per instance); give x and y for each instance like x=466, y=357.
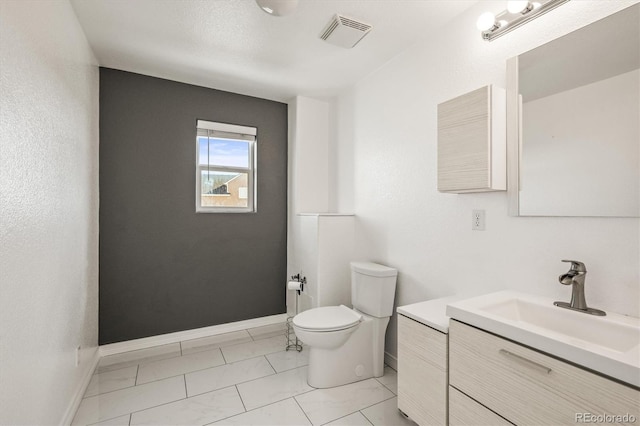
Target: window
x=225, y=168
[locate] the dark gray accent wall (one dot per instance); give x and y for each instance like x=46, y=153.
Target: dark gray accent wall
x=164, y=267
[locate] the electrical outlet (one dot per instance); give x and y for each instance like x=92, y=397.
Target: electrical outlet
x=78, y=356
x=477, y=220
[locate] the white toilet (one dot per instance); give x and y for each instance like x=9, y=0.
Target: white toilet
x=347, y=345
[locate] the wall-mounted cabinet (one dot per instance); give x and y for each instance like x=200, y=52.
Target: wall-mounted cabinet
x=472, y=142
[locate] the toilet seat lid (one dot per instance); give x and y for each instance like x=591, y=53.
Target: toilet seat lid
x=328, y=318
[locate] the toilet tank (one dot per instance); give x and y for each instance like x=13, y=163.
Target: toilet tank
x=373, y=288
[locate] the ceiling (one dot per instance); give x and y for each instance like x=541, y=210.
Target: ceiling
x=232, y=45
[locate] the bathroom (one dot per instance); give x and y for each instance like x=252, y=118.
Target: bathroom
x=369, y=155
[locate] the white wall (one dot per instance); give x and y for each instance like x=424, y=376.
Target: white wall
x=320, y=244
x=386, y=140
x=308, y=190
x=324, y=245
x=48, y=210
x=309, y=145
x=336, y=239
x=303, y=260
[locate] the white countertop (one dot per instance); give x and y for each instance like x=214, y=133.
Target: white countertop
x=431, y=313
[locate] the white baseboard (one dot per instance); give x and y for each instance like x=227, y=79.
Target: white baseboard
x=391, y=360
x=164, y=339
x=91, y=366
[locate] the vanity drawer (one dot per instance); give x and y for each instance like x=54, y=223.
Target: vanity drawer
x=528, y=387
x=464, y=411
x=422, y=372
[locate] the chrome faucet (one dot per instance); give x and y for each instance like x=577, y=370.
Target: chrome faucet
x=576, y=276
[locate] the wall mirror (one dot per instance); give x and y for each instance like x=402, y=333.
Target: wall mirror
x=573, y=114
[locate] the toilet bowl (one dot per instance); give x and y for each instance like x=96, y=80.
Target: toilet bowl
x=347, y=344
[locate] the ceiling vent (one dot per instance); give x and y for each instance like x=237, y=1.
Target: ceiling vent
x=344, y=32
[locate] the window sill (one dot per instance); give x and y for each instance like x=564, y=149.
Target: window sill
x=224, y=210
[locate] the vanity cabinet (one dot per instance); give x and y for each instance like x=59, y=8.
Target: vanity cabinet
x=472, y=153
x=464, y=411
x=527, y=387
x=422, y=372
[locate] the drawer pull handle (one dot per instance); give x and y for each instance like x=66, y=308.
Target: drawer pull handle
x=525, y=361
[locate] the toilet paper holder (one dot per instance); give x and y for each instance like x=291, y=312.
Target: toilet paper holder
x=302, y=280
x=292, y=339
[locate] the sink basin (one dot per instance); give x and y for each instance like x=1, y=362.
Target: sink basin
x=609, y=345
x=616, y=336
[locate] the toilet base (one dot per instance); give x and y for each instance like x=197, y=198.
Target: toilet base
x=360, y=358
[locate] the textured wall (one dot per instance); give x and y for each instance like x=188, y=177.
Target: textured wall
x=48, y=210
x=388, y=145
x=164, y=268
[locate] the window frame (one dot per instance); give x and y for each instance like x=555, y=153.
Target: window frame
x=228, y=131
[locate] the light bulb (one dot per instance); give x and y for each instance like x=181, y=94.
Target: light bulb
x=278, y=7
x=517, y=6
x=486, y=21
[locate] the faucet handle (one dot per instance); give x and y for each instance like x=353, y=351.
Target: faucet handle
x=576, y=266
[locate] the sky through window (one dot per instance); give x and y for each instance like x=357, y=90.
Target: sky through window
x=223, y=152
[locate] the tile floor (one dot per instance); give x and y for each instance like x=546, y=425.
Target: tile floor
x=239, y=378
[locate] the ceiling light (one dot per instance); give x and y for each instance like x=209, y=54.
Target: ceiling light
x=518, y=13
x=278, y=7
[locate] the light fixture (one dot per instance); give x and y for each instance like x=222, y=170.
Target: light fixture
x=487, y=22
x=278, y=7
x=518, y=13
x=519, y=6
